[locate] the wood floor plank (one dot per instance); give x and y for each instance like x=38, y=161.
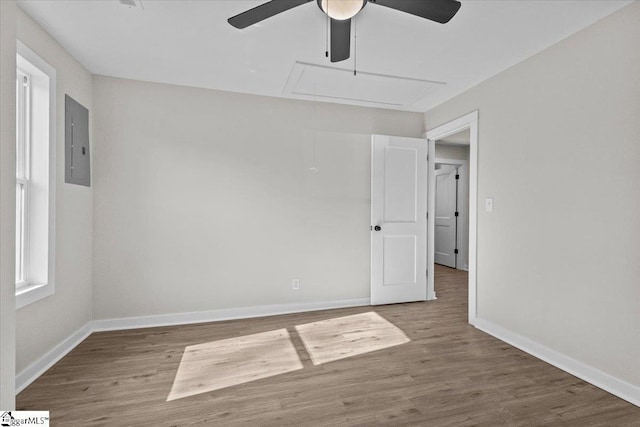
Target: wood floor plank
x=348, y=336
x=448, y=374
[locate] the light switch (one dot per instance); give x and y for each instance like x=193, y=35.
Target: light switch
x=488, y=204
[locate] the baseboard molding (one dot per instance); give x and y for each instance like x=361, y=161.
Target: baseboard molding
x=40, y=366
x=574, y=367
x=222, y=314
x=594, y=376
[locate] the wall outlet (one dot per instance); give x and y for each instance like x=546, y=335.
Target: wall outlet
x=295, y=284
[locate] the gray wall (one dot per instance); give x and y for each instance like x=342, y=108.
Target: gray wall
x=447, y=151
x=46, y=323
x=204, y=199
x=7, y=202
x=559, y=151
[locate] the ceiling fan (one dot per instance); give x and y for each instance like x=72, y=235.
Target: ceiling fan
x=340, y=13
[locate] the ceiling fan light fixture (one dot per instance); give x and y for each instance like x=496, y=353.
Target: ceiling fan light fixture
x=341, y=10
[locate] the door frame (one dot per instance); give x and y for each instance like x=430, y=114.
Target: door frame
x=468, y=121
x=463, y=197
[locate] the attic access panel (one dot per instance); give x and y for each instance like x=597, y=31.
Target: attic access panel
x=320, y=82
x=77, y=165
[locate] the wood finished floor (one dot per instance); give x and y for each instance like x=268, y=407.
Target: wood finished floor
x=450, y=374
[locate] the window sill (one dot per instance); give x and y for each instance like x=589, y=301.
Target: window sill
x=31, y=293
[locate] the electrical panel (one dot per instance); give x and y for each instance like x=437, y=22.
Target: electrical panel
x=77, y=169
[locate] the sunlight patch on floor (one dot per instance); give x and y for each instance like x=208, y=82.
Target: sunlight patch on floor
x=343, y=337
x=224, y=363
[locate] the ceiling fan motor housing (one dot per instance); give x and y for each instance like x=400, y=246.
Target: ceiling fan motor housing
x=341, y=10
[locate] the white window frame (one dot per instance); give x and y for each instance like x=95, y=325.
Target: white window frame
x=39, y=129
x=23, y=146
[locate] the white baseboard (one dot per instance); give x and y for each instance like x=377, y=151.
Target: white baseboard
x=40, y=366
x=222, y=314
x=613, y=385
x=609, y=383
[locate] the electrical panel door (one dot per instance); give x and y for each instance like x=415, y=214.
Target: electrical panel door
x=76, y=142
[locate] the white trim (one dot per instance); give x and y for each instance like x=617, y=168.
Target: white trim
x=607, y=382
x=23, y=156
x=28, y=294
x=40, y=366
x=469, y=121
x=431, y=221
x=31, y=294
x=222, y=314
x=585, y=372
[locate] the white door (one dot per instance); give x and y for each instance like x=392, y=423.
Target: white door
x=398, y=219
x=445, y=220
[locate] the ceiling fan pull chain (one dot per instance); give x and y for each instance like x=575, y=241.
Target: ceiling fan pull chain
x=314, y=167
x=355, y=45
x=326, y=51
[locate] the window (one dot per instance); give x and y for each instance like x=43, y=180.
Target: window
x=22, y=175
x=35, y=177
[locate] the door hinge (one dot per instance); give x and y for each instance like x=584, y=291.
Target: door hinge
x=455, y=251
x=457, y=213
x=457, y=176
x=427, y=215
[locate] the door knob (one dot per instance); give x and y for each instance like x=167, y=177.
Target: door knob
x=377, y=228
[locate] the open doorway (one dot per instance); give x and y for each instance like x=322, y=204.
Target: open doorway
x=453, y=153
x=451, y=214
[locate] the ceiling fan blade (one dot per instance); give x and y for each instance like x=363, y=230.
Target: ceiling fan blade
x=264, y=11
x=340, y=40
x=435, y=10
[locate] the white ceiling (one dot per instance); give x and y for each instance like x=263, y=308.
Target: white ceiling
x=190, y=43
